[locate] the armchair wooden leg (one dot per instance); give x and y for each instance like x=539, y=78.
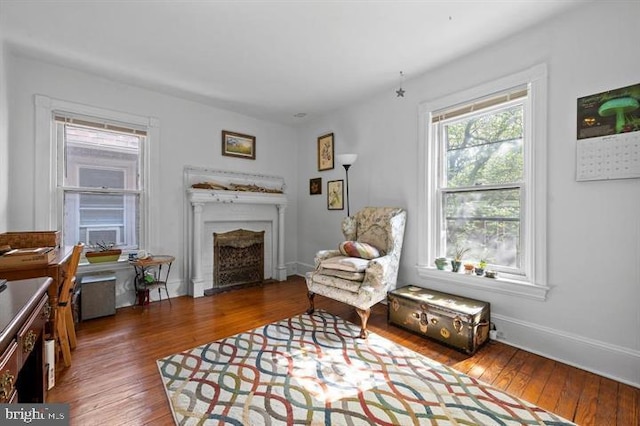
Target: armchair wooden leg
x=312, y=307
x=364, y=317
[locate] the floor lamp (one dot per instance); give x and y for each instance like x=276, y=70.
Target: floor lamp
x=347, y=160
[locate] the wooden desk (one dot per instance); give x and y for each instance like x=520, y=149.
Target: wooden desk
x=24, y=310
x=56, y=270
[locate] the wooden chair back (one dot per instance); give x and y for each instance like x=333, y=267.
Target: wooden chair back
x=70, y=275
x=65, y=329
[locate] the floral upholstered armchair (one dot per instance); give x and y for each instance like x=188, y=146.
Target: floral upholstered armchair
x=361, y=270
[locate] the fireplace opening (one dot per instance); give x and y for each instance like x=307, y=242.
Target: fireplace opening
x=238, y=259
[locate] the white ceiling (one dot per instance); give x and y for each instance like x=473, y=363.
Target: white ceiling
x=269, y=59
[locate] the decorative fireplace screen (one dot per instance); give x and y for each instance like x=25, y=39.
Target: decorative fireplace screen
x=238, y=258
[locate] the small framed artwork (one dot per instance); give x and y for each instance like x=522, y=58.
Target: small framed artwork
x=315, y=186
x=325, y=152
x=335, y=195
x=238, y=145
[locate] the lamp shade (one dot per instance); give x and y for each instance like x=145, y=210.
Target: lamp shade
x=347, y=159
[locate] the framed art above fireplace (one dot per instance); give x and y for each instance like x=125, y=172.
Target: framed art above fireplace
x=238, y=145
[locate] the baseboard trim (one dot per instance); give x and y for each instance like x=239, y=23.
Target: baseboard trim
x=303, y=268
x=605, y=359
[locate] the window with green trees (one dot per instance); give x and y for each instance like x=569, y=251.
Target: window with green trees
x=482, y=185
x=481, y=179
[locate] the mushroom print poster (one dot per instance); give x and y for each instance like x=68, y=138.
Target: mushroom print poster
x=609, y=113
x=608, y=145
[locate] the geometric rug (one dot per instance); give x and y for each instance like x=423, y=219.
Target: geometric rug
x=313, y=370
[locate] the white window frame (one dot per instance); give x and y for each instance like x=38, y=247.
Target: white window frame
x=48, y=205
x=127, y=174
x=533, y=284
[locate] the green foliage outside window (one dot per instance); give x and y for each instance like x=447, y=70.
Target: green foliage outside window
x=481, y=193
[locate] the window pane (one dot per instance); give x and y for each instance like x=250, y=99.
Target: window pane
x=99, y=209
x=101, y=201
x=96, y=218
x=484, y=149
x=101, y=159
x=487, y=222
x=101, y=178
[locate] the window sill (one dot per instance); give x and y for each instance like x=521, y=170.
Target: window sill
x=497, y=285
x=121, y=264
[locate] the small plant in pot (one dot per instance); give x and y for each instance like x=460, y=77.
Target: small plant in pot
x=103, y=252
x=441, y=262
x=457, y=258
x=468, y=268
x=481, y=267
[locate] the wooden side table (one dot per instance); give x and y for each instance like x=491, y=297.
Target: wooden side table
x=151, y=267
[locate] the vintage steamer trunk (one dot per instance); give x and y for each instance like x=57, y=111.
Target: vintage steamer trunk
x=456, y=321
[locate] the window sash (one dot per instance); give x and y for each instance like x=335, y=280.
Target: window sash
x=443, y=219
x=447, y=116
x=129, y=231
x=80, y=220
x=440, y=132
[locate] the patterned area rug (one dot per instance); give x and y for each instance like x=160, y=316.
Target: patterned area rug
x=312, y=370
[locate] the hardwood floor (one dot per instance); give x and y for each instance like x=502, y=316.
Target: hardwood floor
x=113, y=379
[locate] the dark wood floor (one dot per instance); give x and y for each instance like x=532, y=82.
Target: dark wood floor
x=113, y=379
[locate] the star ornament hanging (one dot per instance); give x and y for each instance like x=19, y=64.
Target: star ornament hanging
x=400, y=91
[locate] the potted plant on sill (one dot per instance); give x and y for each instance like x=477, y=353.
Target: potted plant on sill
x=441, y=262
x=103, y=252
x=481, y=267
x=457, y=258
x=468, y=268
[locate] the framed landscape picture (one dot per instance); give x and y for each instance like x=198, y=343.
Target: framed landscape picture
x=325, y=152
x=238, y=145
x=335, y=195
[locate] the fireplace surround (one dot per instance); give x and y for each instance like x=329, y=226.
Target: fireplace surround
x=237, y=200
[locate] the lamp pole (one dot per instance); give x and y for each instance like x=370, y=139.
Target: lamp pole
x=346, y=170
x=347, y=160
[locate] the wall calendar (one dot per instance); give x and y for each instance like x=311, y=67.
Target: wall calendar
x=608, y=145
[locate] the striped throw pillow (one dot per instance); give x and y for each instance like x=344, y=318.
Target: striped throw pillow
x=357, y=249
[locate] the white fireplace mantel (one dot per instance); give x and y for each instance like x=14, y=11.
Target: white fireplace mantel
x=241, y=197
x=212, y=205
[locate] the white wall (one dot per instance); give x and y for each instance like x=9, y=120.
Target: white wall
x=4, y=141
x=190, y=134
x=591, y=317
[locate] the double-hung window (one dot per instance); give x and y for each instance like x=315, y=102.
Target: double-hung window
x=100, y=181
x=480, y=182
x=483, y=179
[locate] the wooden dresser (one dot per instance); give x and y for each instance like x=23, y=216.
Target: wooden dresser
x=24, y=311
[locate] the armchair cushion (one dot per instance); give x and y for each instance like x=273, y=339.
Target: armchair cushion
x=358, y=249
x=352, y=276
x=338, y=284
x=345, y=263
